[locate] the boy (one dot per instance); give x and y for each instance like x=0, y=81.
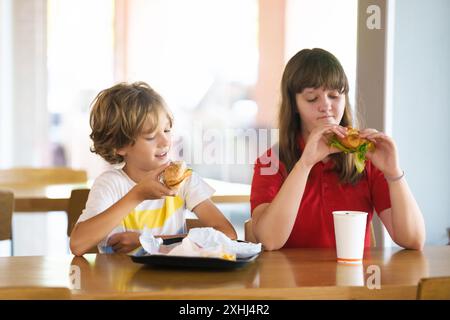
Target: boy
x=132, y=125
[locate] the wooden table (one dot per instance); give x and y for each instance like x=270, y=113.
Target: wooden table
x=283, y=274
x=44, y=198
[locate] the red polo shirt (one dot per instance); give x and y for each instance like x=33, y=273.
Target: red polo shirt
x=314, y=226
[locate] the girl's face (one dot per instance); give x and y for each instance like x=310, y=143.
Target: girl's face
x=151, y=147
x=319, y=106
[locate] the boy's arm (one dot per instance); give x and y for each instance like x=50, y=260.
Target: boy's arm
x=124, y=242
x=211, y=216
x=89, y=233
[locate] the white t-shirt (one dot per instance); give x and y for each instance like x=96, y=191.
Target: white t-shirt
x=162, y=216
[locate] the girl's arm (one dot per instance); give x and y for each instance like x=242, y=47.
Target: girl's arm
x=404, y=220
x=273, y=222
x=211, y=216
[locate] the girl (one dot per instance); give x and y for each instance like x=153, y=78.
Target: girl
x=293, y=208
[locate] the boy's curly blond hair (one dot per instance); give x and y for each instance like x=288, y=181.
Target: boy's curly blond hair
x=118, y=115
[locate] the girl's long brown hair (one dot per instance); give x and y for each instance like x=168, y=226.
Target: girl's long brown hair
x=312, y=68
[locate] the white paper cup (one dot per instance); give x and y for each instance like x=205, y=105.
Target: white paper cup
x=350, y=232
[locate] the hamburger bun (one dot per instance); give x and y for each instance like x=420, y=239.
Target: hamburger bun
x=353, y=143
x=352, y=140
x=175, y=174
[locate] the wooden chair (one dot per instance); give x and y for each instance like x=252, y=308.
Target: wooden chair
x=35, y=178
x=373, y=240
x=35, y=293
x=193, y=223
x=248, y=231
x=249, y=236
x=6, y=211
x=230, y=198
x=77, y=203
x=434, y=289
x=41, y=176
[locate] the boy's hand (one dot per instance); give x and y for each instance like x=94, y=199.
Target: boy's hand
x=124, y=242
x=151, y=188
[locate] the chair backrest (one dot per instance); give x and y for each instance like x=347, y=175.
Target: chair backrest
x=434, y=289
x=250, y=237
x=40, y=176
x=6, y=210
x=77, y=203
x=248, y=231
x=373, y=240
x=193, y=223
x=35, y=293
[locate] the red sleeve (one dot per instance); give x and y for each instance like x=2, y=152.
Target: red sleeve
x=379, y=189
x=267, y=179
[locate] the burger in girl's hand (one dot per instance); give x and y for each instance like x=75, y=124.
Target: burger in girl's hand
x=353, y=143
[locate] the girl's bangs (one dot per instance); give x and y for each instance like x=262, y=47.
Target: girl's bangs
x=318, y=72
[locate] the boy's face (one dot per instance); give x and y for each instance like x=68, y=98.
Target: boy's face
x=151, y=148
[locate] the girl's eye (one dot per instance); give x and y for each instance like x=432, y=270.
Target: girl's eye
x=311, y=100
x=167, y=130
x=149, y=138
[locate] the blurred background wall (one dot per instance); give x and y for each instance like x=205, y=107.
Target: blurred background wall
x=421, y=107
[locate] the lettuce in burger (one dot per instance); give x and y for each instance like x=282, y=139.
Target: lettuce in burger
x=353, y=143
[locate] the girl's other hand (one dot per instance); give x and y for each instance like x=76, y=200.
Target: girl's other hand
x=385, y=155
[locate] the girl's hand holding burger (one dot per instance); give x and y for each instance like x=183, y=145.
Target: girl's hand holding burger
x=317, y=147
x=385, y=155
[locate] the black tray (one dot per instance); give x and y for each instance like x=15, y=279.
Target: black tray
x=162, y=260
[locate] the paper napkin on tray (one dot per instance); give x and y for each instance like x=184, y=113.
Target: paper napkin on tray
x=203, y=242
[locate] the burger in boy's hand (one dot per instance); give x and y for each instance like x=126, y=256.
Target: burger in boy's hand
x=353, y=143
x=175, y=174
